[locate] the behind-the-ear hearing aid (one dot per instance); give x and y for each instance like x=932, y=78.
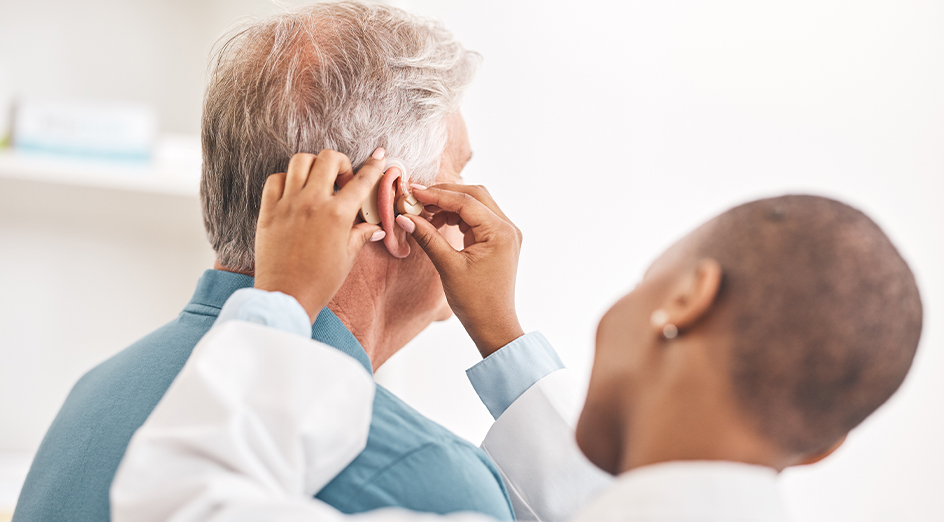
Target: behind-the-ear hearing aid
x=369, y=211
x=406, y=203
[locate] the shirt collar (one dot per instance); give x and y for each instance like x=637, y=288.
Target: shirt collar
x=215, y=287
x=691, y=490
x=331, y=331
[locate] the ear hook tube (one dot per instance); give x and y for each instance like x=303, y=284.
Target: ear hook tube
x=406, y=203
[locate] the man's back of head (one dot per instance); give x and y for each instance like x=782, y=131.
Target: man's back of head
x=348, y=76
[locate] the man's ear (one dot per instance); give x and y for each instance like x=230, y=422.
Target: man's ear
x=693, y=295
x=813, y=459
x=396, y=238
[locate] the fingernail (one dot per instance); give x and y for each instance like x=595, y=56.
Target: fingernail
x=406, y=224
x=417, y=186
x=379, y=153
x=378, y=235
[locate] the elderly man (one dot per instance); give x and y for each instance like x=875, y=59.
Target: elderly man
x=351, y=77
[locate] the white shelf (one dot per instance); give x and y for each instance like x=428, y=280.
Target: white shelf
x=175, y=169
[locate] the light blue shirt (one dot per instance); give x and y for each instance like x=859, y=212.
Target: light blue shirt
x=409, y=462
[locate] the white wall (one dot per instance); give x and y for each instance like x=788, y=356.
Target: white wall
x=654, y=116
x=152, y=51
x=84, y=272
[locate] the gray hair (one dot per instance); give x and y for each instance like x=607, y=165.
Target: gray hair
x=348, y=76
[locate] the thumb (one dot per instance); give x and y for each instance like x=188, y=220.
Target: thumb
x=439, y=250
x=363, y=233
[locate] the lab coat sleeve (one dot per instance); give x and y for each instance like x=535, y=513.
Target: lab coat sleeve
x=533, y=444
x=255, y=424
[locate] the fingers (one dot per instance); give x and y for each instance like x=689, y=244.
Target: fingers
x=298, y=168
x=438, y=220
x=457, y=203
x=478, y=192
x=439, y=250
x=329, y=166
x=272, y=190
x=441, y=219
x=364, y=233
x=359, y=188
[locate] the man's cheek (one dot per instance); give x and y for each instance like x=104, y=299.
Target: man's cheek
x=453, y=236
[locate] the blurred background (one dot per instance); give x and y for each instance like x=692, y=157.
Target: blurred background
x=605, y=129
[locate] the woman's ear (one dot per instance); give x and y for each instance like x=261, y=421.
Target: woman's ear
x=396, y=238
x=694, y=295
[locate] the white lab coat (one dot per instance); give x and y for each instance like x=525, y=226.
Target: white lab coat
x=259, y=420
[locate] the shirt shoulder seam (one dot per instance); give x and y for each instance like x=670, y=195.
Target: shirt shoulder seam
x=190, y=310
x=398, y=461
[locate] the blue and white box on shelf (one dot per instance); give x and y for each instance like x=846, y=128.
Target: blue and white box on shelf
x=96, y=130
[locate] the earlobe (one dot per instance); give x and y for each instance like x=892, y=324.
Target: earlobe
x=396, y=238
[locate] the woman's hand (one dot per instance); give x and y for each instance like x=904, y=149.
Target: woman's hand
x=479, y=280
x=306, y=239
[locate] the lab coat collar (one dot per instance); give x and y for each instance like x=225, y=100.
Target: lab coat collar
x=215, y=287
x=691, y=491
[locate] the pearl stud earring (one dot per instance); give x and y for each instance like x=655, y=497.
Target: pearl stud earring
x=660, y=320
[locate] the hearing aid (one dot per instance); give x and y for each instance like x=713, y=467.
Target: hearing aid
x=369, y=211
x=406, y=203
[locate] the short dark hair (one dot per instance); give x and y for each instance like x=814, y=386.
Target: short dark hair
x=825, y=314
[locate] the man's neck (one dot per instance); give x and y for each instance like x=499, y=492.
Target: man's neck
x=367, y=308
x=361, y=304
x=218, y=266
